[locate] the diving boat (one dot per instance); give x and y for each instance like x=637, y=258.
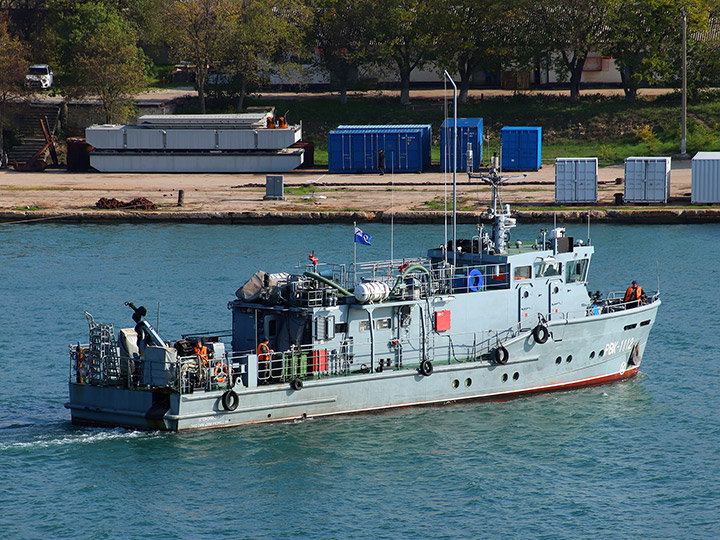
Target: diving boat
x=480, y=318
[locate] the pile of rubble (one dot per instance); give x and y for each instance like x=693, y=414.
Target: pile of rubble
x=140, y=203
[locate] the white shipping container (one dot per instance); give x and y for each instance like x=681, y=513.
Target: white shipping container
x=647, y=179
x=576, y=180
x=705, y=168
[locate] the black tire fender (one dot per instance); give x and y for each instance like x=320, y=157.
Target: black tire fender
x=426, y=368
x=230, y=400
x=541, y=333
x=501, y=355
x=296, y=384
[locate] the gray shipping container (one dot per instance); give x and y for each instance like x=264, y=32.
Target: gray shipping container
x=706, y=177
x=576, y=180
x=647, y=179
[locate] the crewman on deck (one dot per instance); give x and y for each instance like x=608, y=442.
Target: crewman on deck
x=263, y=352
x=201, y=351
x=633, y=295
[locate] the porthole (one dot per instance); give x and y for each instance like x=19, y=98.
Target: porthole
x=569, y=358
x=516, y=376
x=558, y=360
x=526, y=294
x=556, y=290
x=504, y=377
x=455, y=383
x=592, y=354
x=468, y=382
x=602, y=353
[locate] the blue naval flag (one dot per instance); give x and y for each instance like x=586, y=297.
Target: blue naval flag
x=361, y=237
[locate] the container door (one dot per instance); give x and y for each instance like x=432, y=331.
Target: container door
x=565, y=181
x=527, y=151
x=586, y=181
x=656, y=180
x=634, y=180
x=346, y=150
x=510, y=150
x=414, y=152
x=391, y=152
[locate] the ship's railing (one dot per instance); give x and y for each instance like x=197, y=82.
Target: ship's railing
x=423, y=279
x=183, y=374
x=613, y=302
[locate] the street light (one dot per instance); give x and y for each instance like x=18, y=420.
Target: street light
x=683, y=138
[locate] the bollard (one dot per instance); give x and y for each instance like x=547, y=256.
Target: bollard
x=181, y=196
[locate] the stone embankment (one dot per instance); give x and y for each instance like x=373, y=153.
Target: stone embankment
x=645, y=216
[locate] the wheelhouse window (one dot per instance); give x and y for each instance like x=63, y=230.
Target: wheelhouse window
x=549, y=268
x=523, y=272
x=364, y=326
x=576, y=271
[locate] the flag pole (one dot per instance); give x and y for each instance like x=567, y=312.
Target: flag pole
x=354, y=254
x=392, y=214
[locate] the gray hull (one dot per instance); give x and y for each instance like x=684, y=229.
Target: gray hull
x=581, y=352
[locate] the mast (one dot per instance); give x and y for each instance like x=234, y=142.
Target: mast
x=454, y=218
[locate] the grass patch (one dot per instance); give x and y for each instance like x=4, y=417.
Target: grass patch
x=31, y=208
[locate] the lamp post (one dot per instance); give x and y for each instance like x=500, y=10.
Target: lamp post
x=683, y=137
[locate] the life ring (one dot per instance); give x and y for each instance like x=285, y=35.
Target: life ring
x=475, y=280
x=220, y=372
x=541, y=333
x=426, y=368
x=296, y=384
x=230, y=400
x=501, y=355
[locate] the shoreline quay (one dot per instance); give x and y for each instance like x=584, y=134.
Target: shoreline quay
x=647, y=216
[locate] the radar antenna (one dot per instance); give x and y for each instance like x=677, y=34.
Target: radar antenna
x=502, y=222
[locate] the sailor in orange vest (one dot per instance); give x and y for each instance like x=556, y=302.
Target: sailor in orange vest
x=263, y=352
x=201, y=351
x=633, y=295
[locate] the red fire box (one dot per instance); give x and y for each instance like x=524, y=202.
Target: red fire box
x=442, y=320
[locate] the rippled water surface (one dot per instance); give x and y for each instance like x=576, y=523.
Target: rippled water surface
x=638, y=459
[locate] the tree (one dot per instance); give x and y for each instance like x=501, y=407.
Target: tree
x=13, y=66
x=637, y=38
x=111, y=67
x=201, y=31
x=472, y=35
x=341, y=34
x=568, y=30
x=266, y=36
x=98, y=54
x=405, y=34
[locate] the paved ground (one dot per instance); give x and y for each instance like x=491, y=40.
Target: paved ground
x=60, y=191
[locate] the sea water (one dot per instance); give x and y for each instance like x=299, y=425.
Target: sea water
x=636, y=459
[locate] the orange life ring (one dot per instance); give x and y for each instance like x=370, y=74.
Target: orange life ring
x=220, y=372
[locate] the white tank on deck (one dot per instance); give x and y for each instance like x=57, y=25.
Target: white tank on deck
x=371, y=291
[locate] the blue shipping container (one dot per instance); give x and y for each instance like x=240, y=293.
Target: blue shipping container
x=521, y=148
x=356, y=149
x=469, y=132
x=425, y=132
